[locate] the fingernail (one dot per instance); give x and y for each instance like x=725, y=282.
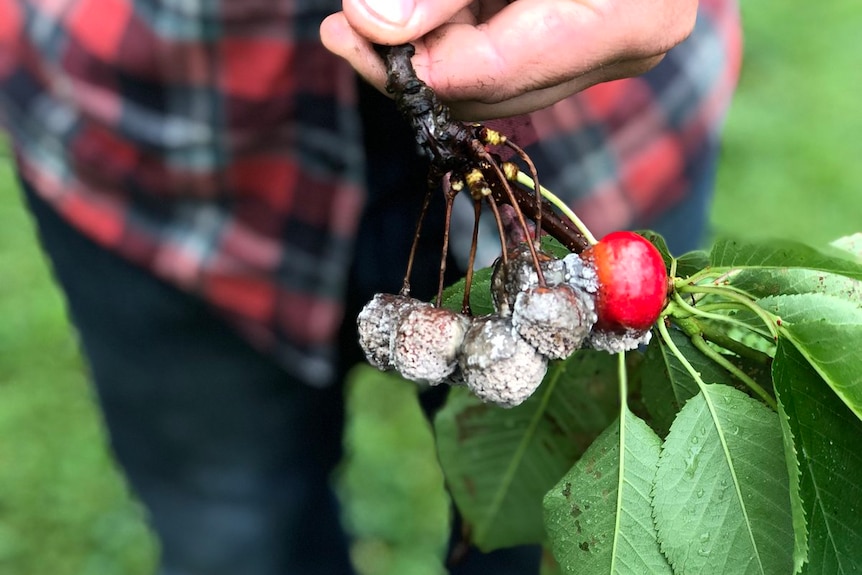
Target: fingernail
x=392, y=11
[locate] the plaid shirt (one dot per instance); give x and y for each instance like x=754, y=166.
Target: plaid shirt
x=218, y=145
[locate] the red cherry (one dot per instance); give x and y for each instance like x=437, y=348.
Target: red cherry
x=632, y=282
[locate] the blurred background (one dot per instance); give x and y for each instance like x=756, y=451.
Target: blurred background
x=790, y=168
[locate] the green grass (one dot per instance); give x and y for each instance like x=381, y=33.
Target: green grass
x=792, y=147
x=64, y=508
x=790, y=167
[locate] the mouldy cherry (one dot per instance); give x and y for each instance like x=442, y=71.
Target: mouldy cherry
x=633, y=282
x=497, y=364
x=376, y=325
x=519, y=274
x=426, y=343
x=555, y=320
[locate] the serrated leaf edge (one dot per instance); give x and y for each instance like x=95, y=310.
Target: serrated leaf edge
x=817, y=503
x=794, y=472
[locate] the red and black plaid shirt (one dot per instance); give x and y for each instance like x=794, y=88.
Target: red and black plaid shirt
x=217, y=144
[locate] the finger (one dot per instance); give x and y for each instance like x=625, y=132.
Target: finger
x=472, y=110
x=537, y=44
x=400, y=21
x=341, y=39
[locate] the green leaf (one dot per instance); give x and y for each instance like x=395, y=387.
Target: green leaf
x=658, y=241
x=499, y=463
x=765, y=282
x=480, y=294
x=720, y=499
x=599, y=516
x=828, y=332
x=781, y=254
x=691, y=263
x=827, y=438
x=791, y=458
x=813, y=308
x=667, y=385
x=394, y=501
x=552, y=246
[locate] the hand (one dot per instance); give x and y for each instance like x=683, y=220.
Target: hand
x=496, y=58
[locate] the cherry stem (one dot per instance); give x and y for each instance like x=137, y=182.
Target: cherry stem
x=553, y=224
x=518, y=213
x=500, y=231
x=691, y=311
x=693, y=331
x=526, y=180
x=738, y=296
x=719, y=338
x=450, y=199
x=665, y=336
x=534, y=174
x=716, y=277
x=468, y=278
x=405, y=286
x=622, y=373
x=704, y=348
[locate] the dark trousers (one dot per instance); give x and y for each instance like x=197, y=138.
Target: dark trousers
x=229, y=454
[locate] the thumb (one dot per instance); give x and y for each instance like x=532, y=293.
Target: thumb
x=399, y=21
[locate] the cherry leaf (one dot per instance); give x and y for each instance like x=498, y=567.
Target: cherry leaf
x=598, y=516
x=765, y=282
x=720, y=497
x=666, y=384
x=825, y=442
x=686, y=264
x=782, y=254
x=552, y=246
x=658, y=241
x=499, y=463
x=480, y=294
x=691, y=263
x=827, y=331
x=791, y=456
x=390, y=484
